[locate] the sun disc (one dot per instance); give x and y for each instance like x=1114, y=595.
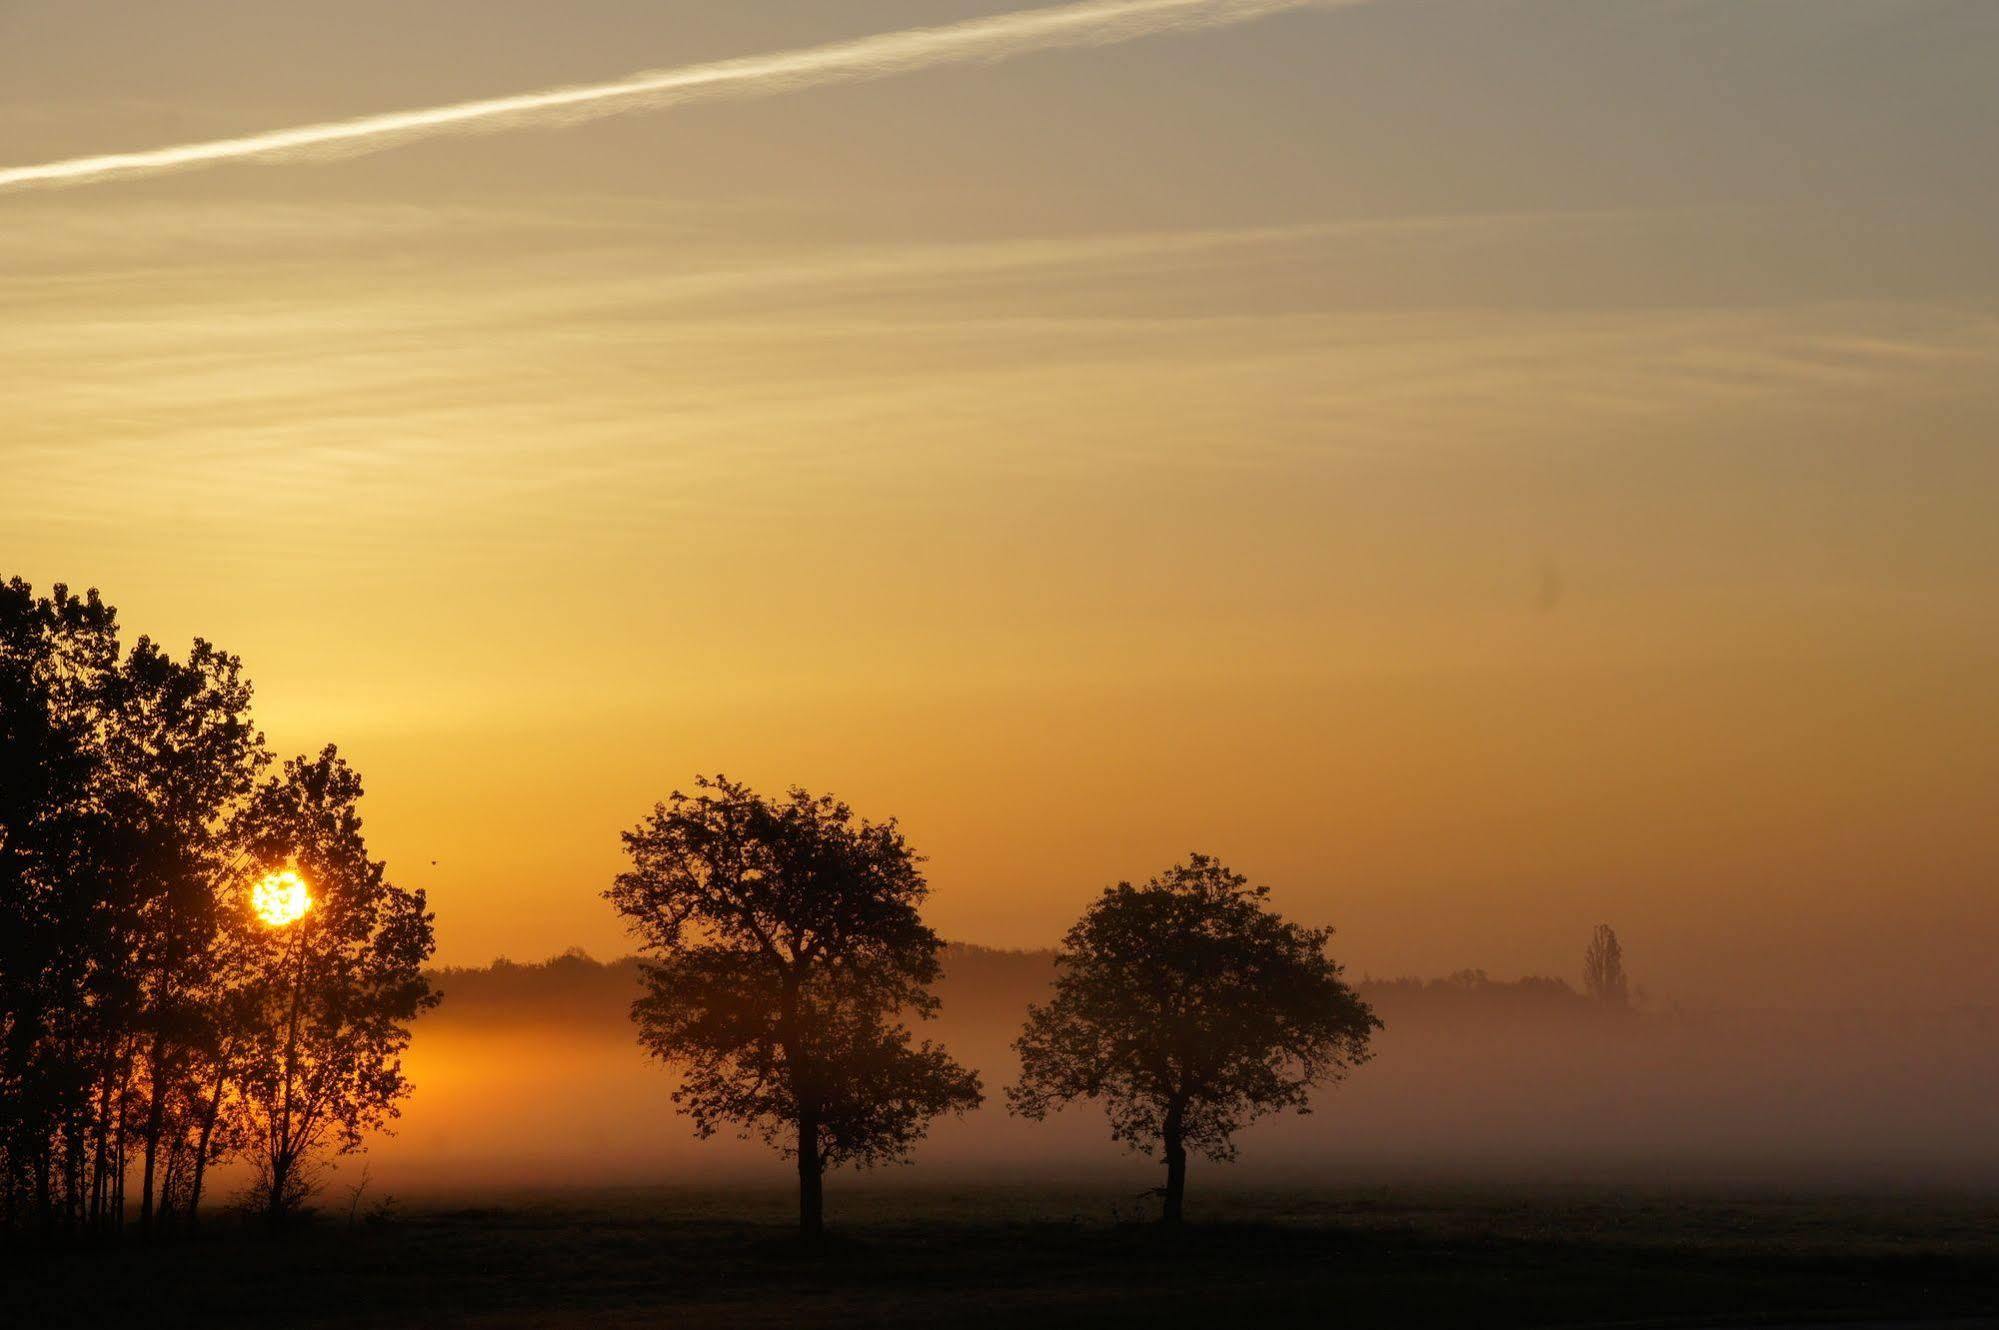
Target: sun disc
x=280, y=899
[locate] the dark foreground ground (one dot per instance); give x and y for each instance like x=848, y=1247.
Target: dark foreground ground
x=1045, y=1257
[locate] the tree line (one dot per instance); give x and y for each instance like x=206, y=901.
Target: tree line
x=198, y=958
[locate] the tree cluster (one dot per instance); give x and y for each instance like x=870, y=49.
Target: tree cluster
x=786, y=956
x=151, y=1023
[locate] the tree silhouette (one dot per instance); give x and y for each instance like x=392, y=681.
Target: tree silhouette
x=1603, y=969
x=136, y=998
x=180, y=752
x=784, y=946
x=1190, y=1009
x=330, y=997
x=65, y=996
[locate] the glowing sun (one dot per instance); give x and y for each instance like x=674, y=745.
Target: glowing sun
x=281, y=899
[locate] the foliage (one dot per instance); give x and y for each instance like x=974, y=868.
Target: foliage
x=130, y=825
x=333, y=996
x=65, y=998
x=785, y=946
x=1189, y=1009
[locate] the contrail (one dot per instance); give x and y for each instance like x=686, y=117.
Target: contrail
x=1093, y=23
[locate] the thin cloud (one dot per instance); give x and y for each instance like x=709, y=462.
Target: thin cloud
x=986, y=40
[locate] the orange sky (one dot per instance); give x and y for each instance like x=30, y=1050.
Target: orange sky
x=1483, y=469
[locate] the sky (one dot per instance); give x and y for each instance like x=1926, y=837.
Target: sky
x=1484, y=467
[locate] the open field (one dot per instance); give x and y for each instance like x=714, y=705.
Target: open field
x=977, y=1255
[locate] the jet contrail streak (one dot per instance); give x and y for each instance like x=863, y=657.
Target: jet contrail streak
x=1093, y=23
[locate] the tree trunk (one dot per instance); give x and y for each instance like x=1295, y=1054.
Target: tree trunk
x=811, y=1180
x=101, y=1148
x=155, y=1113
x=208, y=1120
x=194, y=1193
x=120, y=1164
x=44, y=1196
x=274, y=1209
x=1176, y=1166
x=284, y=1156
x=74, y=1188
x=156, y=1075
x=118, y=1182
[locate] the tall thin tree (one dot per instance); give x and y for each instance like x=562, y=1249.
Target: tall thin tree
x=1603, y=969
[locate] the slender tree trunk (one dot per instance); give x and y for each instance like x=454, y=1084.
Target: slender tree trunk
x=120, y=1164
x=44, y=1200
x=155, y=1117
x=811, y=1169
x=281, y=1156
x=100, y=1147
x=17, y=1059
x=274, y=1210
x=209, y=1116
x=118, y=1181
x=811, y=1179
x=73, y=1189
x=194, y=1194
x=1176, y=1166
x=156, y=1078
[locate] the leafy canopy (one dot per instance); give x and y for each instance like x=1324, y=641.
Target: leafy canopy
x=325, y=1004
x=1190, y=1009
x=785, y=947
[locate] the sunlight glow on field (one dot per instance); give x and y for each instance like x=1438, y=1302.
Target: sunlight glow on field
x=281, y=899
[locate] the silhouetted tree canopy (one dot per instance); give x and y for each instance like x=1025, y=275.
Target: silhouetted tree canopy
x=784, y=948
x=329, y=999
x=131, y=824
x=1190, y=1009
x=180, y=753
x=68, y=997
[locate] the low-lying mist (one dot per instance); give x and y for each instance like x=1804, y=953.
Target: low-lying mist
x=529, y=1076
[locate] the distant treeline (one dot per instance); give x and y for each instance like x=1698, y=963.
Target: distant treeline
x=1475, y=988
x=978, y=982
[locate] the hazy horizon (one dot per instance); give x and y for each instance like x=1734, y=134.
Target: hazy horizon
x=531, y=1077
x=1647, y=995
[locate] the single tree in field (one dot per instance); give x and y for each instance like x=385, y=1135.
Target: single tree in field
x=327, y=996
x=1190, y=1008
x=1603, y=969
x=785, y=949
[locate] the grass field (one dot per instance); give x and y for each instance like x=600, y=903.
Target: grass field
x=1041, y=1256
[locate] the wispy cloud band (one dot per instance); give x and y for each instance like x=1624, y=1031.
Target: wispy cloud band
x=985, y=40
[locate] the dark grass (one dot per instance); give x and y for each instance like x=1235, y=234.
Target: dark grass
x=977, y=1256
